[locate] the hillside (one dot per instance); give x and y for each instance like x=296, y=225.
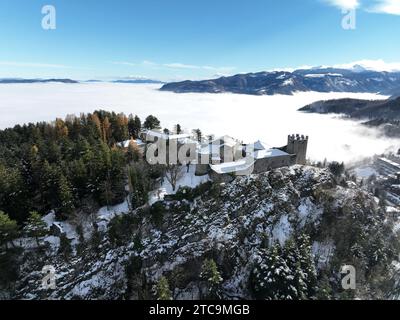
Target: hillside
x=300, y=217
x=380, y=109
x=382, y=114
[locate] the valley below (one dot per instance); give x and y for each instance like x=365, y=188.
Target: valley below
x=249, y=118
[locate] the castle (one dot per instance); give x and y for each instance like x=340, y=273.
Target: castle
x=225, y=157
x=229, y=158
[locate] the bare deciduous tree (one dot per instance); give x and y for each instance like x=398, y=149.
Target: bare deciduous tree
x=173, y=173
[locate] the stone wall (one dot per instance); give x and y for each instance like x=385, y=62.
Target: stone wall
x=265, y=164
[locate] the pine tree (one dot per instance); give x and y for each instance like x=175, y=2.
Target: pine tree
x=197, y=133
x=336, y=168
x=211, y=276
x=79, y=177
x=163, y=291
x=286, y=273
x=48, y=185
x=138, y=184
x=35, y=227
x=134, y=126
x=151, y=123
x=81, y=245
x=65, y=197
x=113, y=186
x=307, y=265
x=8, y=230
x=95, y=239
x=178, y=129
x=14, y=193
x=65, y=248
x=271, y=276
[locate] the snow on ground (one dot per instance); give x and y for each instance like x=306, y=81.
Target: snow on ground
x=323, y=252
x=282, y=230
x=188, y=179
x=105, y=214
x=308, y=211
x=64, y=226
x=102, y=218
x=27, y=243
x=365, y=172
x=396, y=226
x=53, y=241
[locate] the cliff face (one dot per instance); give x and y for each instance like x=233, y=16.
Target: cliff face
x=238, y=226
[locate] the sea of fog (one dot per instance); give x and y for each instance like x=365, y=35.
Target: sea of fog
x=248, y=118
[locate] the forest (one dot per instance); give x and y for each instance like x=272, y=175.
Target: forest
x=72, y=165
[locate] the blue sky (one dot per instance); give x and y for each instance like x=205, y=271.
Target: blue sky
x=186, y=39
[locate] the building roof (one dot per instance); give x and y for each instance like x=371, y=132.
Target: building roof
x=246, y=164
x=259, y=145
x=125, y=144
x=165, y=136
x=232, y=167
x=390, y=162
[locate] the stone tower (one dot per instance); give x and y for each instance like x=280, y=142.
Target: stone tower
x=297, y=145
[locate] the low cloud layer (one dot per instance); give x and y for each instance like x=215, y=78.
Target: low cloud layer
x=249, y=118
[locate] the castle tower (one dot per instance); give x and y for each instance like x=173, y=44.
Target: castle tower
x=297, y=145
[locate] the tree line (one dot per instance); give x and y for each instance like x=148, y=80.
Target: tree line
x=69, y=165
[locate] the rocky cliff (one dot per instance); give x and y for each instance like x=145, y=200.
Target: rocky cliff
x=282, y=234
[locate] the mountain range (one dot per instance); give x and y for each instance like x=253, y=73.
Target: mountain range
x=139, y=81
x=320, y=79
x=20, y=80
x=128, y=80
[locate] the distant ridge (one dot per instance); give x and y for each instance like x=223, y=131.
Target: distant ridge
x=139, y=81
x=359, y=109
x=16, y=80
x=384, y=114
x=322, y=79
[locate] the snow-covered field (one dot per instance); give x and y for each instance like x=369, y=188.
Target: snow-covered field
x=249, y=118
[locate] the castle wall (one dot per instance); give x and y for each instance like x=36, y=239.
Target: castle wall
x=297, y=154
x=202, y=169
x=266, y=164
